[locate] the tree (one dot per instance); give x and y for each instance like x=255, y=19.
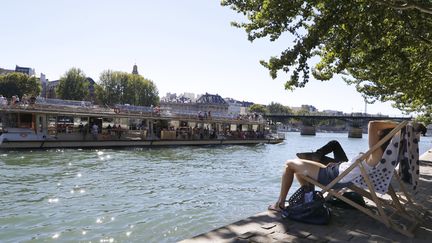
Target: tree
x=144, y=91
x=384, y=47
x=258, y=109
x=19, y=84
x=276, y=108
x=124, y=88
x=73, y=85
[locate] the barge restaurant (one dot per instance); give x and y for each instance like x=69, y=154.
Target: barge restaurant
x=54, y=123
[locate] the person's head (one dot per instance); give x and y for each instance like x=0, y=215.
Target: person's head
x=420, y=128
x=382, y=133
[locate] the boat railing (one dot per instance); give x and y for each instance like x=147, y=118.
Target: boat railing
x=133, y=108
x=57, y=105
x=59, y=102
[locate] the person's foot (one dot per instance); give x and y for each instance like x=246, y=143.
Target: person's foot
x=314, y=156
x=275, y=207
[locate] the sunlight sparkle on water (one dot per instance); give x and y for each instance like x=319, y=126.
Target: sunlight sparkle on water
x=107, y=240
x=79, y=175
x=53, y=200
x=100, y=153
x=56, y=236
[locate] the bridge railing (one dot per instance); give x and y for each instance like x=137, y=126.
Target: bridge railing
x=346, y=116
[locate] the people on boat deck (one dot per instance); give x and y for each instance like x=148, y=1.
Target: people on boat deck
x=324, y=174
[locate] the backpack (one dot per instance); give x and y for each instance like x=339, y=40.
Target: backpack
x=313, y=210
x=353, y=196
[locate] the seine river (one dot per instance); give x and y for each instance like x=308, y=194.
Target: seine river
x=143, y=195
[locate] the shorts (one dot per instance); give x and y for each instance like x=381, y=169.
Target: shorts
x=328, y=174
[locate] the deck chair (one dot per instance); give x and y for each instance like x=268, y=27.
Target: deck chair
x=396, y=211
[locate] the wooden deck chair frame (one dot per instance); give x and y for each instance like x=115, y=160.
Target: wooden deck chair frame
x=396, y=206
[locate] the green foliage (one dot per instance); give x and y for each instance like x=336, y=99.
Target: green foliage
x=19, y=84
x=258, y=109
x=125, y=88
x=276, y=108
x=425, y=118
x=384, y=47
x=73, y=85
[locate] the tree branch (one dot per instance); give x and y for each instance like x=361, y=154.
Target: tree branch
x=405, y=5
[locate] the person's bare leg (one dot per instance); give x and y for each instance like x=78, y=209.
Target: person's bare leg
x=301, y=180
x=297, y=166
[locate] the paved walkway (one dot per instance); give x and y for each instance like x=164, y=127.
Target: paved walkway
x=346, y=225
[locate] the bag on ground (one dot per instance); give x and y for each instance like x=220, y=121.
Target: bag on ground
x=307, y=206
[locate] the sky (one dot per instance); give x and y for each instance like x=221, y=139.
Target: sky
x=182, y=46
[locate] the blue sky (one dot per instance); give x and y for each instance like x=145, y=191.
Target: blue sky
x=183, y=46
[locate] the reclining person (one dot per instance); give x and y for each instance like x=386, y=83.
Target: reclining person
x=324, y=174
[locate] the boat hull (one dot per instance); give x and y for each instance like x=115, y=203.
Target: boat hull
x=127, y=143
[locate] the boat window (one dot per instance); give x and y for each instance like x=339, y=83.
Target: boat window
x=255, y=127
x=192, y=124
x=11, y=120
x=123, y=122
x=136, y=124
x=174, y=124
x=245, y=127
x=52, y=128
x=233, y=127
x=79, y=124
x=107, y=123
x=65, y=124
x=26, y=120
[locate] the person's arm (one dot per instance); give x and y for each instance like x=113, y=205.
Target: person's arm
x=375, y=127
x=374, y=130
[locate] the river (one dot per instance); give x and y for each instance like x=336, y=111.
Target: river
x=143, y=194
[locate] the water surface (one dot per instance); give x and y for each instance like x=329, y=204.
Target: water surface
x=143, y=194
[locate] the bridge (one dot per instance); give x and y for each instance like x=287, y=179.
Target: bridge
x=340, y=117
x=355, y=121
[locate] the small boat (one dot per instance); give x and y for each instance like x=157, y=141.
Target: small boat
x=55, y=123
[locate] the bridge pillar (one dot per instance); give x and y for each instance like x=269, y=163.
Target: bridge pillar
x=308, y=130
x=355, y=132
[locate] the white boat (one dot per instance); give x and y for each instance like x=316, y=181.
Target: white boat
x=54, y=123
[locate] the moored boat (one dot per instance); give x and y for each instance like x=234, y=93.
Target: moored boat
x=54, y=123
